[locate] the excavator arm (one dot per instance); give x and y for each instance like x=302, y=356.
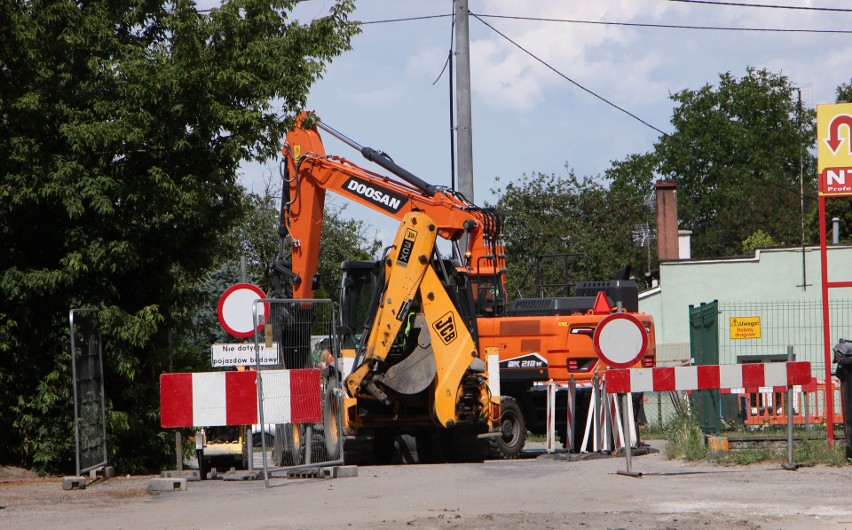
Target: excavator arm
x=310, y=172
x=445, y=355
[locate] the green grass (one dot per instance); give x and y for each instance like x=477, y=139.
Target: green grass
x=805, y=452
x=685, y=439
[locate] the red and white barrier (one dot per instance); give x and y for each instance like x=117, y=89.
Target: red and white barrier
x=710, y=377
x=210, y=399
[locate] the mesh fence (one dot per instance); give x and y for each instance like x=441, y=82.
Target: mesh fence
x=301, y=394
x=87, y=372
x=795, y=326
x=783, y=324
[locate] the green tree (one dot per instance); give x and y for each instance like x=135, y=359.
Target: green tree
x=759, y=239
x=844, y=93
x=547, y=214
x=123, y=126
x=255, y=239
x=737, y=152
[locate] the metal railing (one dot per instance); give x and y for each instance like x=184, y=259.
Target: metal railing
x=290, y=326
x=88, y=380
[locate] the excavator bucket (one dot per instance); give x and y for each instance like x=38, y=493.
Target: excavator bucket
x=417, y=371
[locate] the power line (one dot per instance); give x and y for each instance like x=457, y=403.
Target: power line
x=666, y=26
x=770, y=6
x=610, y=103
x=575, y=83
x=408, y=19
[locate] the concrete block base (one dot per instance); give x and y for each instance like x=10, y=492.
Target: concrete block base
x=189, y=474
x=325, y=472
x=345, y=471
x=70, y=483
x=158, y=485
x=241, y=475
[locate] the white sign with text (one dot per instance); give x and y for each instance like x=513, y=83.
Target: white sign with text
x=242, y=354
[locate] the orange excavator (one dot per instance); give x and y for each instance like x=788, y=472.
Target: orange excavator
x=531, y=340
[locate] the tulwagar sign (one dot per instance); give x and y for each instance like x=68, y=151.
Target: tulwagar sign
x=242, y=354
x=744, y=327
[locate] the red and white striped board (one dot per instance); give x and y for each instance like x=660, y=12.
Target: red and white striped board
x=212, y=399
x=710, y=377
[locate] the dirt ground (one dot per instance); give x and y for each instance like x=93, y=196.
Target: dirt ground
x=538, y=491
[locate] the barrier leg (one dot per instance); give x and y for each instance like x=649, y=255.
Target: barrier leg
x=551, y=416
x=569, y=420
x=589, y=420
x=628, y=451
x=596, y=397
x=606, y=420
x=617, y=429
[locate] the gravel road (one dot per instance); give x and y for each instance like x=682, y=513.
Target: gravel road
x=539, y=491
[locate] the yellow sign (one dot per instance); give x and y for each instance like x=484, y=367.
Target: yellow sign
x=834, y=149
x=745, y=327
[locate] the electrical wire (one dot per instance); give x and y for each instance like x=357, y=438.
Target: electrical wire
x=770, y=6
x=608, y=102
x=666, y=26
x=575, y=83
x=408, y=19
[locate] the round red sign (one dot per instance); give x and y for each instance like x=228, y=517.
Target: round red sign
x=235, y=309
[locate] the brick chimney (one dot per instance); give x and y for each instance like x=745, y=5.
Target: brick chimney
x=667, y=233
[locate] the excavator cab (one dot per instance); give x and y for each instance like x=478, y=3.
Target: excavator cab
x=360, y=281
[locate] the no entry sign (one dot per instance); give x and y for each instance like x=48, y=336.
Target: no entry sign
x=620, y=340
x=235, y=309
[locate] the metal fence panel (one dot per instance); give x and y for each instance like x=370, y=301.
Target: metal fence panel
x=783, y=324
x=303, y=331
x=88, y=380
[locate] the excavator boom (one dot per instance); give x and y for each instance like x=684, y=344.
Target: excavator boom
x=310, y=173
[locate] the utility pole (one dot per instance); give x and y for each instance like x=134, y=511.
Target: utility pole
x=464, y=133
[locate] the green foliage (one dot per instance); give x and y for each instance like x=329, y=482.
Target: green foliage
x=844, y=93
x=817, y=451
x=736, y=153
x=255, y=238
x=342, y=239
x=806, y=452
x=123, y=126
x=546, y=214
x=684, y=438
x=759, y=239
x=746, y=457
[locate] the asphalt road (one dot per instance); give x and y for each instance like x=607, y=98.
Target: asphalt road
x=539, y=491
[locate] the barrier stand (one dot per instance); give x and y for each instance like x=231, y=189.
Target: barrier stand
x=789, y=408
x=570, y=390
x=179, y=450
x=551, y=417
x=569, y=420
x=708, y=377
x=606, y=413
x=596, y=420
x=593, y=427
x=628, y=449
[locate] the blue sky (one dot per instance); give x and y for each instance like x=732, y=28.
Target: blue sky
x=528, y=118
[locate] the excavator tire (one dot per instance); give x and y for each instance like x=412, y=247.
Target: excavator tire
x=514, y=430
x=289, y=448
x=330, y=419
x=428, y=445
x=462, y=445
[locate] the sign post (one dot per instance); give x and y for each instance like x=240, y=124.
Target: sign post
x=834, y=159
x=620, y=341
